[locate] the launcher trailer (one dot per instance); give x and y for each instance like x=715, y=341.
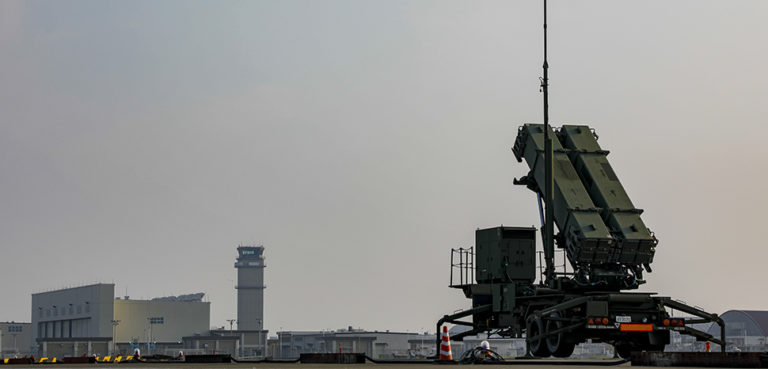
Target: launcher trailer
x=607, y=245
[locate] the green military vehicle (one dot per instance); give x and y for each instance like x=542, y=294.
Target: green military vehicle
x=606, y=243
x=607, y=246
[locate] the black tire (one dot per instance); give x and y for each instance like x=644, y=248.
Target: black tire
x=565, y=349
x=537, y=347
x=560, y=344
x=624, y=350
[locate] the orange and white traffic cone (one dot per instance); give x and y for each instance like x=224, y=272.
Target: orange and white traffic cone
x=445, y=345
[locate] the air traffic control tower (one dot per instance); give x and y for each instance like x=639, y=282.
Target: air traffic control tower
x=250, y=288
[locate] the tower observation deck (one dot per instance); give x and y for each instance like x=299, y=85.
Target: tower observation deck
x=250, y=288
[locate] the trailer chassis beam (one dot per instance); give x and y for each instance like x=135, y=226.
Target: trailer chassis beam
x=706, y=317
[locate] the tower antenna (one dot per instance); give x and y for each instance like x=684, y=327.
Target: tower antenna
x=549, y=244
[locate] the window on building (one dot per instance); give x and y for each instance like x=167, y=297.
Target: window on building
x=157, y=320
x=79, y=309
x=87, y=307
x=14, y=328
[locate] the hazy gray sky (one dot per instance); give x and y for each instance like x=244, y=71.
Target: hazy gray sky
x=360, y=141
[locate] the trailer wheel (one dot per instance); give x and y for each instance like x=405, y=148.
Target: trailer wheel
x=536, y=347
x=559, y=344
x=624, y=350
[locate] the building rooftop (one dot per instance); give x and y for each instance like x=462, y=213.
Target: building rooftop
x=743, y=322
x=74, y=288
x=192, y=297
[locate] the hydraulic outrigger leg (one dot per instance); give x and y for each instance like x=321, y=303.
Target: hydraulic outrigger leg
x=453, y=319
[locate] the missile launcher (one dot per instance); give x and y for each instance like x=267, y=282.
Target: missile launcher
x=607, y=244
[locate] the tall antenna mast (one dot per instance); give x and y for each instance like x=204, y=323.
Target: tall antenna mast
x=549, y=234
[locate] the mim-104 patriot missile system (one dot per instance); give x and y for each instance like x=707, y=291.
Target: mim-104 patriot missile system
x=606, y=243
x=607, y=246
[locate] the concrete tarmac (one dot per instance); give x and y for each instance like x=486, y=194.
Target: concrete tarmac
x=542, y=365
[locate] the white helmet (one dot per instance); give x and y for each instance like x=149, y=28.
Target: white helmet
x=485, y=345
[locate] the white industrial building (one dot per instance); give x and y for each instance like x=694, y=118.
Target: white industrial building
x=88, y=320
x=375, y=344
x=238, y=343
x=73, y=321
x=15, y=339
x=158, y=325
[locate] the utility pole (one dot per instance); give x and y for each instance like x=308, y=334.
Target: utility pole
x=149, y=335
x=115, y=323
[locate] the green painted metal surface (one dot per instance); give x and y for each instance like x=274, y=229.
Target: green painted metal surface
x=635, y=243
x=587, y=239
x=505, y=254
x=598, y=223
